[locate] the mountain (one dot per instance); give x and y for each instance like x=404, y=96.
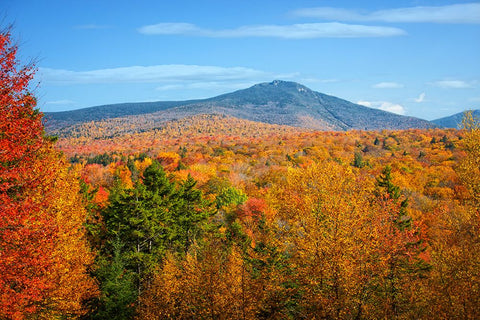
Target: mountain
x=276, y=102
x=454, y=121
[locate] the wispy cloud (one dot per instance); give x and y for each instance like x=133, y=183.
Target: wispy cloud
x=456, y=13
x=157, y=73
x=388, y=85
x=420, y=98
x=453, y=84
x=295, y=31
x=384, y=105
x=206, y=85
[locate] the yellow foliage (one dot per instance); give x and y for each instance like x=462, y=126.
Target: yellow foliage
x=72, y=253
x=142, y=165
x=123, y=173
x=169, y=160
x=469, y=169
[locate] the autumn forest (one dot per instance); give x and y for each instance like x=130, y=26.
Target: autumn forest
x=214, y=217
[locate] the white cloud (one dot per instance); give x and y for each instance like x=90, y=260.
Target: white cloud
x=453, y=84
x=207, y=85
x=365, y=103
x=420, y=98
x=153, y=74
x=384, y=105
x=295, y=31
x=388, y=85
x=456, y=13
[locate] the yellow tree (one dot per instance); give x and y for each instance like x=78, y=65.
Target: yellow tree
x=72, y=256
x=456, y=244
x=211, y=282
x=469, y=168
x=321, y=219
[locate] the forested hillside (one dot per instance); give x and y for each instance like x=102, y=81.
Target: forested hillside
x=215, y=217
x=293, y=224
x=454, y=121
x=277, y=102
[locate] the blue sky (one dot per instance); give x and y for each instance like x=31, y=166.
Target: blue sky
x=419, y=58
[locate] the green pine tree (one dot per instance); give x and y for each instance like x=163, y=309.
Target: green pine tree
x=386, y=186
x=118, y=292
x=155, y=216
x=405, y=263
x=191, y=211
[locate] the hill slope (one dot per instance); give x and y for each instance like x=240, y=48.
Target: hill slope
x=277, y=102
x=454, y=121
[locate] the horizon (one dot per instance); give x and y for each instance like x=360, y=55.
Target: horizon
x=415, y=58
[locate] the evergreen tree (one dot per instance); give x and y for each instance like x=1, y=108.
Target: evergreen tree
x=190, y=211
x=155, y=216
x=118, y=296
x=141, y=217
x=358, y=160
x=400, y=246
x=386, y=186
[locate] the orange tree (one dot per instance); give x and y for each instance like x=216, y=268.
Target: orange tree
x=31, y=237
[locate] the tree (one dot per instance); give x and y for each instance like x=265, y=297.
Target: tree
x=322, y=224
x=151, y=219
x=191, y=211
x=399, y=247
x=388, y=191
x=455, y=279
x=72, y=257
x=140, y=217
x=118, y=289
x=358, y=160
x=469, y=168
x=26, y=232
x=210, y=282
x=43, y=254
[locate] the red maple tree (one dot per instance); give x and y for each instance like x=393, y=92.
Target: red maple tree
x=26, y=230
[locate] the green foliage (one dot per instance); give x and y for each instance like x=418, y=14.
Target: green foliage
x=358, y=160
x=403, y=245
x=230, y=196
x=190, y=215
x=140, y=217
x=133, y=169
x=385, y=185
x=118, y=292
x=154, y=217
x=103, y=159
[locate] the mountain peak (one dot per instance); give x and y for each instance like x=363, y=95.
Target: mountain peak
x=282, y=85
x=275, y=102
